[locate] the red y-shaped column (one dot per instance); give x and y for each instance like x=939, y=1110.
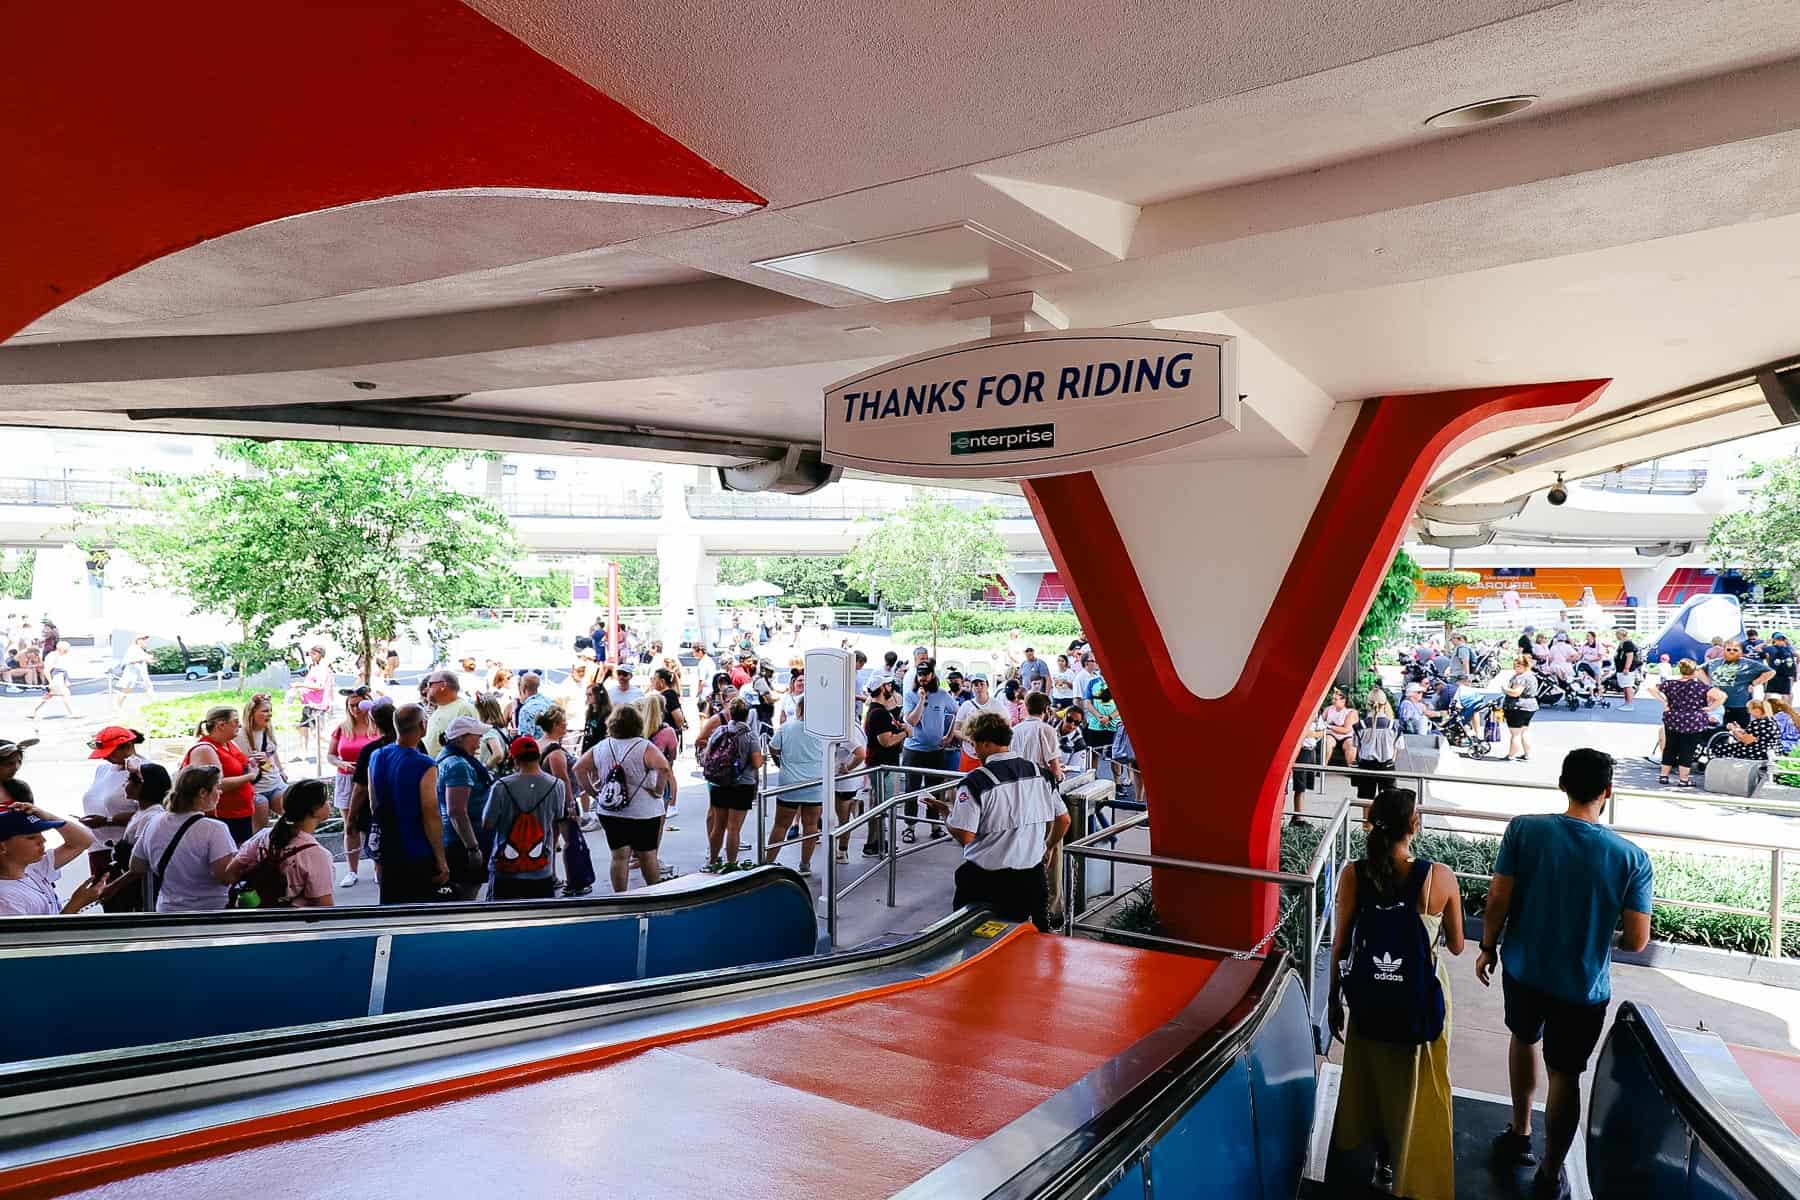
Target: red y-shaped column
x=1216, y=769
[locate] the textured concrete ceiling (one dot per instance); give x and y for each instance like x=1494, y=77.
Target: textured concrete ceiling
x=1266, y=162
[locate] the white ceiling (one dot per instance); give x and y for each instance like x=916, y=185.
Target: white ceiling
x=1265, y=161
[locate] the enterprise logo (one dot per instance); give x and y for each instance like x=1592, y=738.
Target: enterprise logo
x=1387, y=969
x=1012, y=437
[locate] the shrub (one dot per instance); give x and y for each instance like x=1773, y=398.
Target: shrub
x=1700, y=878
x=245, y=657
x=975, y=622
x=179, y=715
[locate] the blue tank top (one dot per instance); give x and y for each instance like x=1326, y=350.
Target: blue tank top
x=394, y=774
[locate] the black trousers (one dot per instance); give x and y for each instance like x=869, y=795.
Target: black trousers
x=404, y=882
x=1016, y=895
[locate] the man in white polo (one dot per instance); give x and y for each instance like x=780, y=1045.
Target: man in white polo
x=1007, y=817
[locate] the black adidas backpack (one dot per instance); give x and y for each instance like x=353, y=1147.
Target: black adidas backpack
x=1391, y=982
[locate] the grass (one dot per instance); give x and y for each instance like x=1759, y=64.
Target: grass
x=178, y=716
x=1699, y=878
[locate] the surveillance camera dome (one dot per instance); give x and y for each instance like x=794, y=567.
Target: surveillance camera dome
x=1557, y=495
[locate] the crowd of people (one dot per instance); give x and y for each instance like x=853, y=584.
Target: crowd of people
x=484, y=783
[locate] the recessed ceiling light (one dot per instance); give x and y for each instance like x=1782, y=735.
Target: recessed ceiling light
x=1479, y=112
x=575, y=289
x=362, y=385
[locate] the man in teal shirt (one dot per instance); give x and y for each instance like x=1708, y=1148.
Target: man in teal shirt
x=1562, y=883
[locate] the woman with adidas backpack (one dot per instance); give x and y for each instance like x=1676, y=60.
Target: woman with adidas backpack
x=1391, y=910
x=729, y=750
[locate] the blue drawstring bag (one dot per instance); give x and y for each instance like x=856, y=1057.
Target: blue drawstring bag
x=578, y=865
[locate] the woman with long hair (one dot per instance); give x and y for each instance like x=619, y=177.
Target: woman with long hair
x=217, y=747
x=1761, y=738
x=305, y=865
x=1787, y=721
x=356, y=730
x=187, y=853
x=256, y=738
x=1393, y=1095
x=494, y=742
x=729, y=802
x=1377, y=742
x=662, y=735
x=599, y=708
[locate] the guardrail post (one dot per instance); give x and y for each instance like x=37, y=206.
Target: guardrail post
x=1776, y=900
x=1069, y=913
x=1312, y=940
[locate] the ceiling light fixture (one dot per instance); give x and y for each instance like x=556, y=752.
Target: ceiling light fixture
x=1480, y=112
x=576, y=289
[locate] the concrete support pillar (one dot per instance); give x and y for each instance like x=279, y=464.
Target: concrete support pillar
x=493, y=480
x=1646, y=583
x=687, y=577
x=1024, y=585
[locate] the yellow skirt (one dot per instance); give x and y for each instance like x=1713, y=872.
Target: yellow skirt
x=1400, y=1096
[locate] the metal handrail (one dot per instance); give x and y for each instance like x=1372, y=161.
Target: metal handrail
x=1612, y=811
x=1333, y=849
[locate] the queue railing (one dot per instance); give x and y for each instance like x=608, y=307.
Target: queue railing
x=1310, y=911
x=1775, y=913
x=883, y=807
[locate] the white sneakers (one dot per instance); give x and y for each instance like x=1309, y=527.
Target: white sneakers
x=349, y=880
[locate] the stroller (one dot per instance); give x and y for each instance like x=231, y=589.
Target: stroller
x=1481, y=712
x=1585, y=691
x=1554, y=690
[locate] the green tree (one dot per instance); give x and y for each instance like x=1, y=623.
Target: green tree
x=1449, y=614
x=1765, y=534
x=15, y=582
x=930, y=557
x=803, y=579
x=1399, y=587
x=640, y=585
x=350, y=539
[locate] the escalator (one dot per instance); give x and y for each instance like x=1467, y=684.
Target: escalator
x=976, y=1058
x=1681, y=1113
x=81, y=985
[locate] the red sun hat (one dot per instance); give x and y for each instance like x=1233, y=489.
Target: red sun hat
x=524, y=747
x=111, y=738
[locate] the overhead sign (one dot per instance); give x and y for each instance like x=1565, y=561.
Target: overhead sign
x=1030, y=404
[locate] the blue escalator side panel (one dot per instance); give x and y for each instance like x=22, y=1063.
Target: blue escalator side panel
x=462, y=966
x=1211, y=1149
x=764, y=925
x=1637, y=1145
x=1707, y=1180
x=1283, y=1084
x=1129, y=1187
x=81, y=1003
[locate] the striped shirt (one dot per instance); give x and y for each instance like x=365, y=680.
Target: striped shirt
x=1007, y=803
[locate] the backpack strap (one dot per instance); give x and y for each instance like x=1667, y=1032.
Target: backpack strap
x=162, y=864
x=1416, y=880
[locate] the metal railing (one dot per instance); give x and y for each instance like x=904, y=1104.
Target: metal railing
x=571, y=503
x=1650, y=479
x=1775, y=914
x=69, y=493
x=882, y=808
x=1315, y=884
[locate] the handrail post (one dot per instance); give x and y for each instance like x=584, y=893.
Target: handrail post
x=1312, y=941
x=1776, y=900
x=1069, y=913
x=893, y=850
x=828, y=839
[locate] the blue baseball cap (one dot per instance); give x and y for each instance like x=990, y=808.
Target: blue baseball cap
x=15, y=822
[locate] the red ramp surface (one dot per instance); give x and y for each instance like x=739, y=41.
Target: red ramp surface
x=854, y=1097
x=1776, y=1078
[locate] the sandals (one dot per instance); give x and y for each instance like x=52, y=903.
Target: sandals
x=908, y=835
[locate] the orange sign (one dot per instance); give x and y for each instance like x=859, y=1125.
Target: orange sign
x=1565, y=583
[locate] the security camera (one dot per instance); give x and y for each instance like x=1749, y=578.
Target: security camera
x=1558, y=494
